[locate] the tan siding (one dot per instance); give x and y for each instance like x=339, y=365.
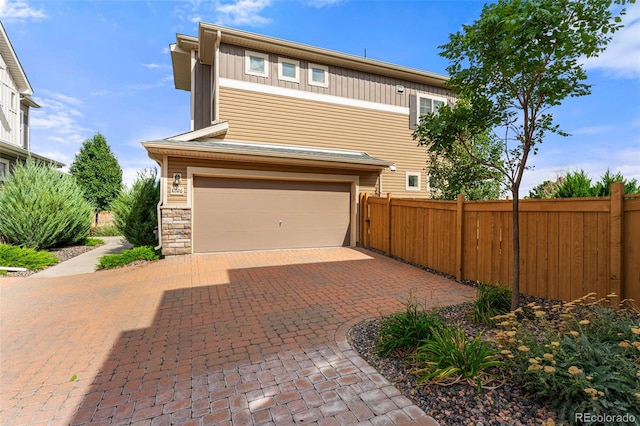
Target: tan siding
x=343, y=82
x=368, y=181
x=277, y=119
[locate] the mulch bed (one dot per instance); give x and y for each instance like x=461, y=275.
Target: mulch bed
x=460, y=403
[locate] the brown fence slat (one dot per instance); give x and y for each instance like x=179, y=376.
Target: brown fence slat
x=569, y=247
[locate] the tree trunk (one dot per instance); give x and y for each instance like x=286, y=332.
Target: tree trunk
x=515, y=283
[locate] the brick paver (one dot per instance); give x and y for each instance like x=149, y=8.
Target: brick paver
x=230, y=338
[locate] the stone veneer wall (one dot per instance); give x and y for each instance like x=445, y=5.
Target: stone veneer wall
x=176, y=231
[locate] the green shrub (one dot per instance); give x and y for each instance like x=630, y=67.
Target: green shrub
x=449, y=354
x=406, y=330
x=576, y=358
x=105, y=231
x=135, y=209
x=490, y=301
x=92, y=242
x=31, y=259
x=41, y=207
x=128, y=256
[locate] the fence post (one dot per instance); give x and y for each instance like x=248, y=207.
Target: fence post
x=615, y=249
x=459, y=236
x=388, y=242
x=364, y=219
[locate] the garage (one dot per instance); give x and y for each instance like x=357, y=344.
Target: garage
x=231, y=214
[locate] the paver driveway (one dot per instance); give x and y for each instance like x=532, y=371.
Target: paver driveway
x=233, y=338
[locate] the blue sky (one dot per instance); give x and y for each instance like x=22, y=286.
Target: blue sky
x=104, y=66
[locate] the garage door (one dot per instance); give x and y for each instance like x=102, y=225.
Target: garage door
x=255, y=214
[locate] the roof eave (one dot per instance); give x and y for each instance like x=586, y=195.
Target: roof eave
x=166, y=148
x=23, y=154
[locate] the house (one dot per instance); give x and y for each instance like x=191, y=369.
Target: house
x=284, y=137
x=15, y=102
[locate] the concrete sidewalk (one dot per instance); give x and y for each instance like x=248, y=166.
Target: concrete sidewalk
x=86, y=262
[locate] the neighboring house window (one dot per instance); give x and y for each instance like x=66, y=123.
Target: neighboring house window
x=4, y=169
x=12, y=105
x=289, y=70
x=412, y=181
x=256, y=63
x=422, y=104
x=318, y=75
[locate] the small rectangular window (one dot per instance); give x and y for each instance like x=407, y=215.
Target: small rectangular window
x=4, y=169
x=289, y=70
x=13, y=103
x=412, y=181
x=256, y=63
x=318, y=75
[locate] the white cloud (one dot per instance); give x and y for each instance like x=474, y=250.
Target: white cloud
x=154, y=66
x=593, y=130
x=57, y=121
x=323, y=3
x=622, y=56
x=225, y=12
x=19, y=11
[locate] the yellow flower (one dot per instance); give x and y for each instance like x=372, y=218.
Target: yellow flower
x=505, y=352
x=523, y=348
x=533, y=361
x=624, y=344
x=534, y=367
x=635, y=330
x=548, y=356
x=591, y=391
x=636, y=345
x=574, y=333
x=549, y=369
x=539, y=314
x=536, y=307
x=638, y=395
x=589, y=378
x=510, y=333
x=556, y=344
x=612, y=295
x=574, y=371
x=584, y=322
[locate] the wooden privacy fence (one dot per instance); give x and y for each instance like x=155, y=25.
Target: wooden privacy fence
x=568, y=247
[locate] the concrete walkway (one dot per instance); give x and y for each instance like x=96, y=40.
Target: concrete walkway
x=86, y=262
x=222, y=339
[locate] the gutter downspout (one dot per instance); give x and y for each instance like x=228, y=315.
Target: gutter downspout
x=163, y=194
x=216, y=78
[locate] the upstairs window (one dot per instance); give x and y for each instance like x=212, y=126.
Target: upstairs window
x=423, y=104
x=288, y=70
x=318, y=75
x=256, y=63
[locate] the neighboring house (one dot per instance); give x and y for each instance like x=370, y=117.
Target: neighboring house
x=284, y=137
x=15, y=101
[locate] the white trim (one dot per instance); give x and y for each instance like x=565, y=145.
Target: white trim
x=6, y=169
x=247, y=63
x=354, y=180
x=310, y=96
x=211, y=131
x=324, y=68
x=406, y=181
x=283, y=77
x=193, y=90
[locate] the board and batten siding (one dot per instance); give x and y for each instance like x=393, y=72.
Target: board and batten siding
x=203, y=105
x=368, y=181
x=277, y=119
x=9, y=108
x=343, y=82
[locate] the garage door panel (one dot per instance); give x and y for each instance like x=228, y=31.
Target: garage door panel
x=250, y=214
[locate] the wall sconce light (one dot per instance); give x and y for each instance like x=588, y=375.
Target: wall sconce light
x=177, y=177
x=392, y=167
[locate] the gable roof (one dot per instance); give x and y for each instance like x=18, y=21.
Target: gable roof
x=13, y=64
x=209, y=35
